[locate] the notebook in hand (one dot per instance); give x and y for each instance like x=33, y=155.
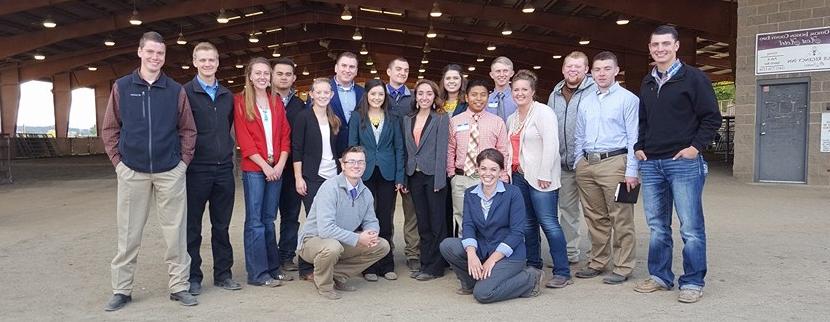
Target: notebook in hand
x=624, y=196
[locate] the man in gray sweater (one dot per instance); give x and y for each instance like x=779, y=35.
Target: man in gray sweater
x=340, y=236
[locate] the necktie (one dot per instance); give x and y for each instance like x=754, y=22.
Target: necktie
x=472, y=148
x=395, y=94
x=353, y=192
x=500, y=107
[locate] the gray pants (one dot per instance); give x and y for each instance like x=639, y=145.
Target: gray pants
x=569, y=216
x=508, y=280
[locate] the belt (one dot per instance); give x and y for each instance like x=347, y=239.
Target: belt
x=604, y=155
x=460, y=172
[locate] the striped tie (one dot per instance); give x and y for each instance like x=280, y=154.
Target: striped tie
x=472, y=148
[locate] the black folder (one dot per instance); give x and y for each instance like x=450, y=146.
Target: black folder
x=624, y=196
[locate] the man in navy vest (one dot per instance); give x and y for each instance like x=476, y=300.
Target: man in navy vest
x=149, y=135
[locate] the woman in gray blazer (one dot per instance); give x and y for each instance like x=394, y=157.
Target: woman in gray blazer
x=378, y=131
x=426, y=132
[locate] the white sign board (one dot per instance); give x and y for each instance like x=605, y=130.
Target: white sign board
x=795, y=51
x=825, y=132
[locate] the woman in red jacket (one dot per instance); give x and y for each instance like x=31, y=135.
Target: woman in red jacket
x=262, y=133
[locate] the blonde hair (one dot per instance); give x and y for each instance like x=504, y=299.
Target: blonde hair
x=248, y=92
x=579, y=55
x=502, y=60
x=334, y=121
x=526, y=75
x=204, y=46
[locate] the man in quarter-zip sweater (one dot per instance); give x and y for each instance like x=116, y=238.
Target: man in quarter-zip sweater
x=565, y=101
x=210, y=175
x=149, y=135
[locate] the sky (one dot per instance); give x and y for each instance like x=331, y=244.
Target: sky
x=37, y=106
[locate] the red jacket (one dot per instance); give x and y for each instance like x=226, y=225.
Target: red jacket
x=250, y=135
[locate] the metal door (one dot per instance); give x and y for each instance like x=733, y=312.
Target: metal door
x=781, y=124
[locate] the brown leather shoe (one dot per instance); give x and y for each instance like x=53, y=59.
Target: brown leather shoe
x=649, y=286
x=559, y=281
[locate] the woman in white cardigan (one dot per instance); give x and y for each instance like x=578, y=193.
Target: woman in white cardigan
x=534, y=144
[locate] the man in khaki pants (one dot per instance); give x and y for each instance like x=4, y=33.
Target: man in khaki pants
x=149, y=135
x=606, y=131
x=340, y=235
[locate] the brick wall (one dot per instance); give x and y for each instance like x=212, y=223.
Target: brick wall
x=761, y=16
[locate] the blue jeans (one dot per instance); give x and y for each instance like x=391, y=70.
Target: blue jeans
x=679, y=182
x=262, y=258
x=542, y=208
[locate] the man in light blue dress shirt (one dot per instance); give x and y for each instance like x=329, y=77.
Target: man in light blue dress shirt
x=501, y=100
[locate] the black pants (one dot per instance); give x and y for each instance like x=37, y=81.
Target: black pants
x=312, y=186
x=384, y=194
x=290, y=202
x=430, y=209
x=215, y=185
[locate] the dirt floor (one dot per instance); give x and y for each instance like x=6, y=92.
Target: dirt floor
x=769, y=247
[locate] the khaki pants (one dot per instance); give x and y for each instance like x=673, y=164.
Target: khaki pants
x=135, y=191
x=570, y=217
x=410, y=228
x=332, y=259
x=459, y=184
x=606, y=218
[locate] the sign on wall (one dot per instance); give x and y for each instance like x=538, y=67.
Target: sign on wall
x=795, y=51
x=825, y=132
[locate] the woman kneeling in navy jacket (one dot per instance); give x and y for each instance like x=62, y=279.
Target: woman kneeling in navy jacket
x=494, y=224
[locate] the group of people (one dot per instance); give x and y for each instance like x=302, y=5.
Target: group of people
x=481, y=172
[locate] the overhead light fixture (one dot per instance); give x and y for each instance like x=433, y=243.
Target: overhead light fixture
x=49, y=23
x=239, y=64
x=276, y=52
x=424, y=60
x=480, y=59
x=422, y=69
x=222, y=17
x=181, y=40
x=363, y=50
x=436, y=11
x=252, y=38
x=254, y=14
x=584, y=41
x=528, y=8
x=346, y=15
x=537, y=67
x=622, y=21
x=431, y=32
x=557, y=56
x=91, y=68
x=135, y=19
x=373, y=71
x=230, y=81
x=506, y=31
x=491, y=47
x=39, y=56
x=305, y=71
x=109, y=42
x=377, y=77
x=369, y=62
x=465, y=75
x=471, y=68
x=357, y=35
x=185, y=67
x=420, y=76
x=427, y=49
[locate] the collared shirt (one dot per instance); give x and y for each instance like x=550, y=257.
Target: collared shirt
x=485, y=208
x=492, y=133
x=209, y=89
x=509, y=103
x=287, y=98
x=351, y=188
x=608, y=122
x=663, y=78
x=398, y=93
x=348, y=101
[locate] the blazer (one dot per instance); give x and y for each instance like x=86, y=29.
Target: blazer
x=307, y=142
x=250, y=135
x=342, y=141
x=430, y=157
x=460, y=108
x=505, y=222
x=387, y=153
x=539, y=146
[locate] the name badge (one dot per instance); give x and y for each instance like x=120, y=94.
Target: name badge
x=493, y=104
x=462, y=127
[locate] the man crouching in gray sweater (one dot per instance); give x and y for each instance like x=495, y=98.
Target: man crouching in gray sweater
x=340, y=235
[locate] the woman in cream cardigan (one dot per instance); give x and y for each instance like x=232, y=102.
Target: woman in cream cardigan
x=534, y=146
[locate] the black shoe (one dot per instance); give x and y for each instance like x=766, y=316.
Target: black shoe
x=614, y=279
x=195, y=288
x=117, y=302
x=184, y=298
x=227, y=284
x=588, y=272
x=423, y=277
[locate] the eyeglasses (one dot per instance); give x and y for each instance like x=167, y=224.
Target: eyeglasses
x=355, y=163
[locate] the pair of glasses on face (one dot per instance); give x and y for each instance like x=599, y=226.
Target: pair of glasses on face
x=355, y=163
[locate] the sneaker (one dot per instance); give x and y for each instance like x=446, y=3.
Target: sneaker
x=184, y=298
x=195, y=288
x=371, y=277
x=341, y=285
x=117, y=302
x=390, y=276
x=588, y=272
x=331, y=295
x=464, y=291
x=614, y=279
x=423, y=277
x=559, y=281
x=537, y=288
x=413, y=264
x=415, y=274
x=284, y=277
x=649, y=285
x=270, y=283
x=227, y=284
x=689, y=295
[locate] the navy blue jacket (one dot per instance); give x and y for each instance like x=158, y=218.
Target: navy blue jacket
x=387, y=154
x=505, y=223
x=214, y=118
x=342, y=141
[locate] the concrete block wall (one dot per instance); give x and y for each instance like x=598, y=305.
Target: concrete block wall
x=761, y=16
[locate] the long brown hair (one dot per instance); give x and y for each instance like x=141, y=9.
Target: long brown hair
x=462, y=86
x=437, y=102
x=363, y=105
x=248, y=92
x=334, y=121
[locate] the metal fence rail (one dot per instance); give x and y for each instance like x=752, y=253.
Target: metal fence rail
x=5, y=159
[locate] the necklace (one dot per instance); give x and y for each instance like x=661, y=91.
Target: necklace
x=375, y=120
x=519, y=121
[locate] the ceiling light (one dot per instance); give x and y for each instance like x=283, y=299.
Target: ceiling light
x=506, y=31
x=363, y=50
x=346, y=15
x=222, y=17
x=91, y=68
x=369, y=62
x=427, y=49
x=557, y=56
x=252, y=38
x=357, y=35
x=254, y=14
x=49, y=23
x=39, y=56
x=491, y=47
x=185, y=67
x=471, y=68
x=239, y=64
x=424, y=60
x=135, y=19
x=230, y=81
x=584, y=41
x=431, y=32
x=622, y=21
x=373, y=71
x=480, y=59
x=465, y=75
x=181, y=40
x=377, y=77
x=305, y=71
x=422, y=69
x=537, y=67
x=276, y=52
x=528, y=8
x=109, y=42
x=420, y=76
x=436, y=11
